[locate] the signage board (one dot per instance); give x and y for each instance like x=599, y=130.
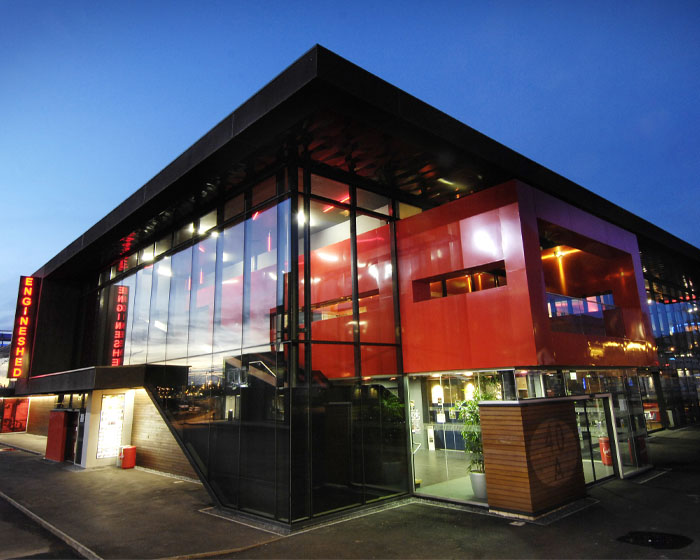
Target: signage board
x=24, y=327
x=109, y=435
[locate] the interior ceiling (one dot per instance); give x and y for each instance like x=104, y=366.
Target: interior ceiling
x=432, y=177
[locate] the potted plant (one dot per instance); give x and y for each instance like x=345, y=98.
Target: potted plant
x=468, y=414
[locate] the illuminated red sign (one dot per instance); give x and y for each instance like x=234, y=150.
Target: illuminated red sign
x=23, y=333
x=119, y=308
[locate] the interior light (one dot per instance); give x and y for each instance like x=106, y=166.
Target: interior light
x=469, y=391
x=437, y=394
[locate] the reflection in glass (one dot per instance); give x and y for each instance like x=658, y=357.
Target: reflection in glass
x=140, y=312
x=260, y=289
x=179, y=307
x=158, y=320
x=202, y=297
x=375, y=280
x=357, y=436
x=331, y=273
x=228, y=315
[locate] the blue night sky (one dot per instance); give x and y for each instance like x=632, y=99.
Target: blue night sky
x=97, y=97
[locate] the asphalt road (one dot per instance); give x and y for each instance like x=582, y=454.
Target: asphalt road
x=20, y=537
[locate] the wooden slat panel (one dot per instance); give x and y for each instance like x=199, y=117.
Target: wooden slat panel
x=39, y=410
x=532, y=456
x=156, y=447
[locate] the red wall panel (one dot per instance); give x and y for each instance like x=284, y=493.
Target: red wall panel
x=509, y=326
x=490, y=328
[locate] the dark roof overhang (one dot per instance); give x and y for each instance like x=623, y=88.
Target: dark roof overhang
x=103, y=377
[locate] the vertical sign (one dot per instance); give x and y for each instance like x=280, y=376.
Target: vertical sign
x=119, y=305
x=24, y=328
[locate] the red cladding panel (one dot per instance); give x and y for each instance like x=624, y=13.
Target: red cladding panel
x=56, y=440
x=482, y=329
x=605, y=259
x=509, y=325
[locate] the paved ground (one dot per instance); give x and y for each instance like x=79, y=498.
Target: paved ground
x=24, y=441
x=20, y=537
x=136, y=514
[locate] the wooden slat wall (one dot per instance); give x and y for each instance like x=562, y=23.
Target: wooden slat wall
x=156, y=447
x=532, y=456
x=39, y=411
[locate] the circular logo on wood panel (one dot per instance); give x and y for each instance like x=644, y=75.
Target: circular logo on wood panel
x=554, y=452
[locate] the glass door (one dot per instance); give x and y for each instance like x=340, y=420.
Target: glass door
x=630, y=424
x=596, y=437
x=440, y=464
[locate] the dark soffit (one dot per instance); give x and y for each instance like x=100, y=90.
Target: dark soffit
x=322, y=72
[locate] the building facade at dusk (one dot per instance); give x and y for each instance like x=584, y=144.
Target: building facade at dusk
x=296, y=308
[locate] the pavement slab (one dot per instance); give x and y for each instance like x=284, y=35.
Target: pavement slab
x=132, y=513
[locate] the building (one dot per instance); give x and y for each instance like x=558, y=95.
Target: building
x=296, y=308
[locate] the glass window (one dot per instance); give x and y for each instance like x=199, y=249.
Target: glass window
x=202, y=297
x=140, y=312
x=264, y=190
x=163, y=245
x=328, y=188
x=130, y=283
x=146, y=255
x=207, y=222
x=228, y=318
x=234, y=207
x=183, y=234
x=263, y=287
x=179, y=305
x=331, y=273
x=158, y=320
x=378, y=360
x=375, y=280
x=372, y=201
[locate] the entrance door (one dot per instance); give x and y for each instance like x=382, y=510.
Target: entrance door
x=440, y=465
x=596, y=437
x=72, y=417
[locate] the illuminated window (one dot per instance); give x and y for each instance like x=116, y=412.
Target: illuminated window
x=489, y=276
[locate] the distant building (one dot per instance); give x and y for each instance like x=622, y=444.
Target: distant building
x=297, y=307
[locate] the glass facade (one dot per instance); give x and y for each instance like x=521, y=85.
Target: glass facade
x=275, y=385
x=672, y=393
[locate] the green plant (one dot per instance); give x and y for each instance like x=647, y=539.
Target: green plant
x=468, y=414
